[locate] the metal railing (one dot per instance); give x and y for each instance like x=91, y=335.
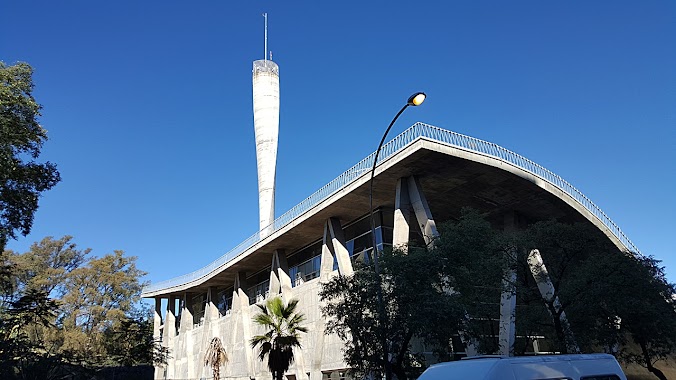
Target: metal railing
x=401, y=141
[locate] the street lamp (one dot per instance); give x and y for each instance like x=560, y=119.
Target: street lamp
x=414, y=100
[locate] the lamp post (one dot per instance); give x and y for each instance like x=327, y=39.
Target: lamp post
x=414, y=100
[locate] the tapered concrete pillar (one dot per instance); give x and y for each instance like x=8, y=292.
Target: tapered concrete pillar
x=187, y=319
x=336, y=243
x=333, y=248
x=241, y=318
x=169, y=334
x=402, y=216
x=157, y=332
x=280, y=282
x=507, y=334
x=157, y=319
x=422, y=211
x=548, y=293
x=410, y=198
x=211, y=309
x=187, y=324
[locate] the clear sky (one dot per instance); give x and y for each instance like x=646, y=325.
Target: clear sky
x=148, y=105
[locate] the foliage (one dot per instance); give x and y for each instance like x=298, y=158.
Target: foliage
x=615, y=301
x=646, y=313
x=22, y=179
x=63, y=312
x=283, y=328
x=419, y=310
x=474, y=256
x=98, y=297
x=215, y=357
x=130, y=342
x=21, y=351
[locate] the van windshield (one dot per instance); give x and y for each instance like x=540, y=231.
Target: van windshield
x=476, y=369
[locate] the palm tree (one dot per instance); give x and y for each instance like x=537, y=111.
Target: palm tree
x=283, y=334
x=215, y=357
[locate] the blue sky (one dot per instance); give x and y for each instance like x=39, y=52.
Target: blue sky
x=149, y=111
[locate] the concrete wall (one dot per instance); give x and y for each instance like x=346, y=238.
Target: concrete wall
x=319, y=352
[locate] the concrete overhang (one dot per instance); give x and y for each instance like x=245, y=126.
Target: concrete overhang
x=451, y=177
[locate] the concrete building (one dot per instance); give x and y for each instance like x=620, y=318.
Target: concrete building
x=424, y=176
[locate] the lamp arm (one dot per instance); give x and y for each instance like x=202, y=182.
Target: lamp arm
x=373, y=171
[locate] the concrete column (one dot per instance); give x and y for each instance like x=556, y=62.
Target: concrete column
x=280, y=282
x=410, y=197
x=211, y=309
x=326, y=266
x=507, y=335
x=169, y=334
x=241, y=319
x=337, y=247
x=422, y=211
x=187, y=320
x=548, y=293
x=157, y=332
x=402, y=215
x=157, y=318
x=333, y=247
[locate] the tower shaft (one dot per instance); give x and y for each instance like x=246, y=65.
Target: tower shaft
x=266, y=126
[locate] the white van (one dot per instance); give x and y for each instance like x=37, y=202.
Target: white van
x=545, y=367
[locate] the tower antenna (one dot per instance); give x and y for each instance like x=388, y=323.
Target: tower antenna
x=265, y=54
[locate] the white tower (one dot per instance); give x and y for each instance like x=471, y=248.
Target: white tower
x=266, y=125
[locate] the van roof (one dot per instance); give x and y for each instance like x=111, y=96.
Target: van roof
x=524, y=367
x=540, y=358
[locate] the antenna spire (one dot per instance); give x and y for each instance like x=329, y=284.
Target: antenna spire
x=265, y=54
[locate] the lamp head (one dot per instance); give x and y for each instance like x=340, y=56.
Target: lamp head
x=416, y=99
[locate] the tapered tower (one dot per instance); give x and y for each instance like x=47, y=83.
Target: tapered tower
x=266, y=125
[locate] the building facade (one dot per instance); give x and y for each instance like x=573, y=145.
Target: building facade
x=423, y=176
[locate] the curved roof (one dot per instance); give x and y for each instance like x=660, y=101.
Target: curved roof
x=455, y=170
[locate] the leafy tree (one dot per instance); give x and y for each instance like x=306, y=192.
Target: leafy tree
x=615, y=301
x=22, y=179
x=130, y=342
x=473, y=258
x=646, y=314
x=215, y=357
x=21, y=350
x=63, y=313
x=283, y=327
x=419, y=310
x=47, y=265
x=97, y=297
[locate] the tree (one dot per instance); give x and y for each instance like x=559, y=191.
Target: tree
x=473, y=257
x=47, y=265
x=98, y=296
x=283, y=327
x=22, y=352
x=646, y=313
x=616, y=301
x=419, y=310
x=64, y=313
x=22, y=179
x=215, y=357
x=130, y=342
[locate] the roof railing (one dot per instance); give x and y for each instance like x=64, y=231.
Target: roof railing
x=407, y=137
